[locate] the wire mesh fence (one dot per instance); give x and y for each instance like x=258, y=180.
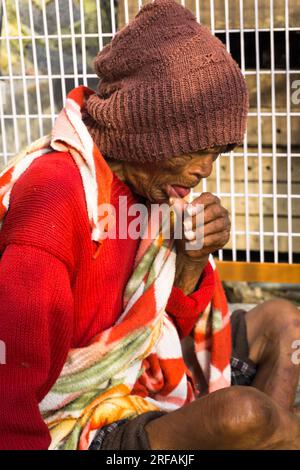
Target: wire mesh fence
x=47, y=48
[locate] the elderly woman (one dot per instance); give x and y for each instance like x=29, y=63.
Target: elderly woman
x=119, y=342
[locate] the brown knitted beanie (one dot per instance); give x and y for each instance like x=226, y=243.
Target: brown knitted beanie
x=167, y=87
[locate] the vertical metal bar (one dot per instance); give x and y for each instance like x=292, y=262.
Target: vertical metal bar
x=99, y=23
x=2, y=121
x=274, y=158
x=11, y=82
x=198, y=19
x=231, y=156
x=198, y=11
x=36, y=69
x=126, y=11
x=232, y=200
x=212, y=16
x=60, y=52
x=217, y=163
x=247, y=225
x=113, y=19
x=48, y=59
x=23, y=72
x=3, y=130
x=288, y=116
x=227, y=25
x=73, y=41
x=260, y=185
x=83, y=45
x=1, y=17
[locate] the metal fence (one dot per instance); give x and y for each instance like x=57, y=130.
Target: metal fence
x=47, y=46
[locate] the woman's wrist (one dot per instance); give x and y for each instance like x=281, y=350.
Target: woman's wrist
x=188, y=272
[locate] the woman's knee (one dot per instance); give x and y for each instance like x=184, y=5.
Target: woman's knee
x=247, y=414
x=235, y=417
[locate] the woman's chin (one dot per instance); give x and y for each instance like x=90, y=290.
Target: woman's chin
x=154, y=197
x=159, y=199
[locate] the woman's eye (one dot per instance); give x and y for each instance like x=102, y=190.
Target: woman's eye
x=179, y=161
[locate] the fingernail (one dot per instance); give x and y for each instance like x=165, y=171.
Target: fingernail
x=191, y=210
x=188, y=223
x=189, y=234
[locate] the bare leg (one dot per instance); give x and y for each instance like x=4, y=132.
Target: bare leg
x=231, y=418
x=243, y=417
x=272, y=328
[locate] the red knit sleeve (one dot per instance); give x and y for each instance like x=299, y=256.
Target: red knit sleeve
x=46, y=207
x=36, y=311
x=185, y=309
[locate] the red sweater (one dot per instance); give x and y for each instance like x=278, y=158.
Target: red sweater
x=54, y=295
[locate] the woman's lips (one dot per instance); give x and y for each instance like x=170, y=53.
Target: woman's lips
x=177, y=191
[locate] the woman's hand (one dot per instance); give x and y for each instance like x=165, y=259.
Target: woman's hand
x=211, y=232
x=213, y=229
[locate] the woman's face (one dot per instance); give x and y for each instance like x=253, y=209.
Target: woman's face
x=171, y=178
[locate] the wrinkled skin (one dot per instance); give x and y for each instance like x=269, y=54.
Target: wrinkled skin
x=150, y=180
x=154, y=182
x=258, y=417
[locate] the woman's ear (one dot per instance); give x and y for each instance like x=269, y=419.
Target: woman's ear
x=116, y=167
